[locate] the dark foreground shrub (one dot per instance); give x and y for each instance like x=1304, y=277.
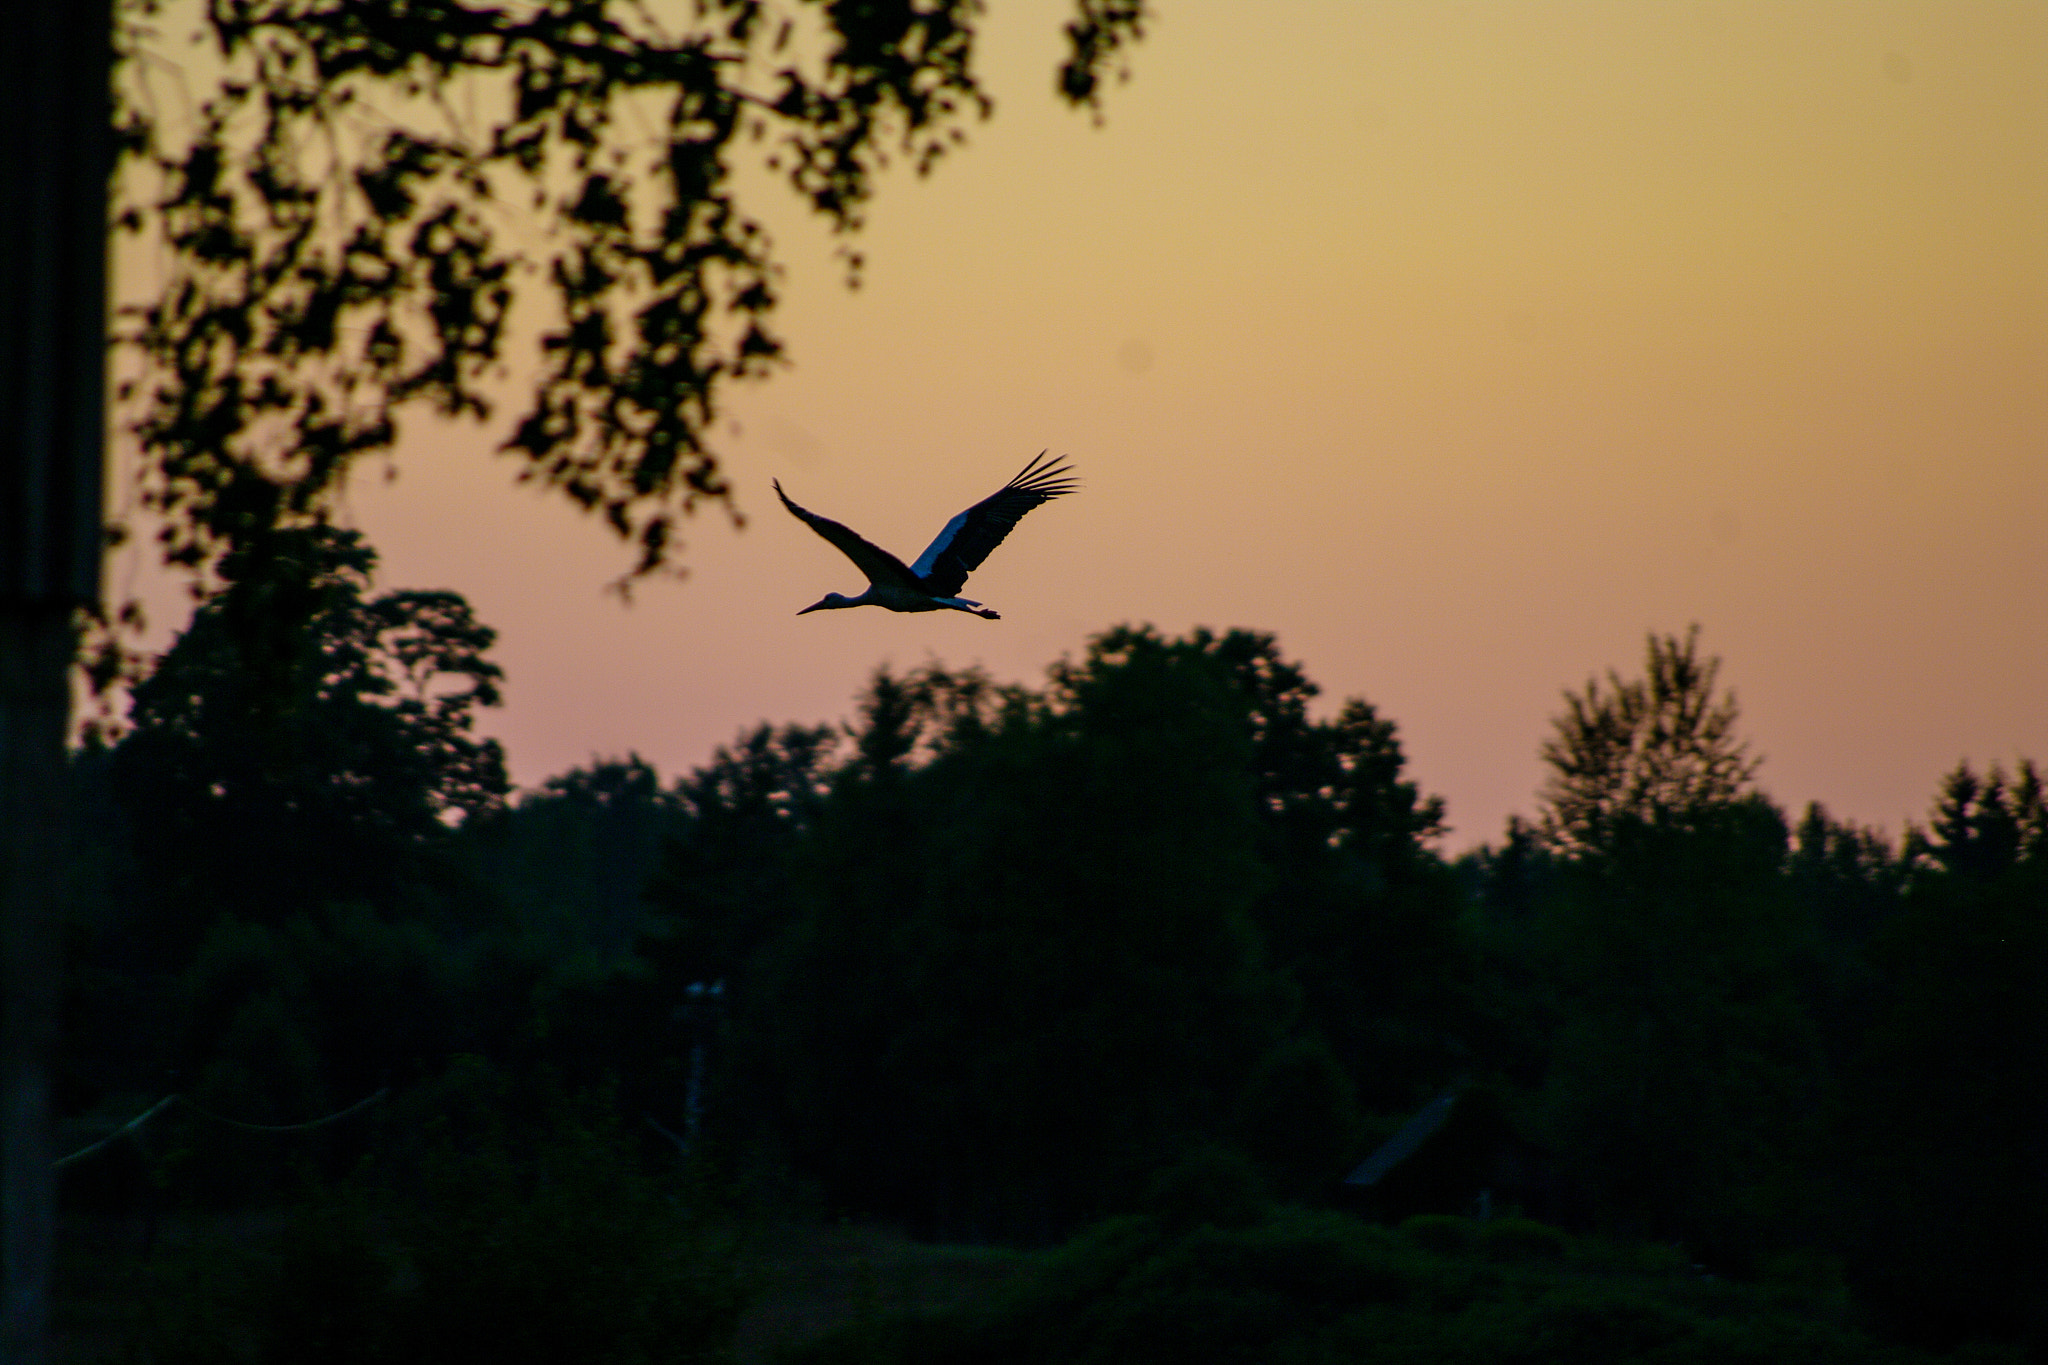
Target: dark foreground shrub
x=1523, y=1239
x=552, y=1244
x=1319, y=1288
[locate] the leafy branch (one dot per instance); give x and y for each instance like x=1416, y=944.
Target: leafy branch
x=350, y=219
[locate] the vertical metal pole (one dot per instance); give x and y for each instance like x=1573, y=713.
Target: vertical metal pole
x=55, y=152
x=35, y=661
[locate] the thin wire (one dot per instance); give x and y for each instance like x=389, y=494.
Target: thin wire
x=146, y=1115
x=128, y=1127
x=338, y=1115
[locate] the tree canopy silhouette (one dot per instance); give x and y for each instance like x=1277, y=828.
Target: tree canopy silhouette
x=1948, y=1078
x=306, y=741
x=350, y=218
x=995, y=960
x=1657, y=748
x=1012, y=950
x=1684, y=1076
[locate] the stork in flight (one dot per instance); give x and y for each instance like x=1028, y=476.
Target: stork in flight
x=934, y=582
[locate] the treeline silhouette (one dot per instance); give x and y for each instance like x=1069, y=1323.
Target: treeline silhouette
x=1149, y=956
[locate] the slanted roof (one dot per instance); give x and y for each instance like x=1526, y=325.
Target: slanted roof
x=1402, y=1145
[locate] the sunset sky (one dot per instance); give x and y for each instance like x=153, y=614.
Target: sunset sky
x=1459, y=345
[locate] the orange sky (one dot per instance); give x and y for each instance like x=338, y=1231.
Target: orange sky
x=1459, y=345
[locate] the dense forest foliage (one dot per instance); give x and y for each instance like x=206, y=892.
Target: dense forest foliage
x=1148, y=956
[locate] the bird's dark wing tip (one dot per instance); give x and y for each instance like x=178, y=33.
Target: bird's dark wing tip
x=1046, y=478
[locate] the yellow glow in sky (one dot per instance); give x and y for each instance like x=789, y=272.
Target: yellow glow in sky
x=1459, y=345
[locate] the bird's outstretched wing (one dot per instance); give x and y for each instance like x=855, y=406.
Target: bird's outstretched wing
x=877, y=563
x=969, y=537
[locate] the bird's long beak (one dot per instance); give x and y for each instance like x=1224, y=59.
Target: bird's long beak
x=811, y=608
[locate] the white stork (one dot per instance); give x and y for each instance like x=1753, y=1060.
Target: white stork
x=934, y=581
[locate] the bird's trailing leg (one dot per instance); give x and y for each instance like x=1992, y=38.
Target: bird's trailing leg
x=967, y=605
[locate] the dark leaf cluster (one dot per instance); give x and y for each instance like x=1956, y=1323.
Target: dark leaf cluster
x=348, y=214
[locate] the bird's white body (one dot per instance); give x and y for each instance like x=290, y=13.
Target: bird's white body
x=933, y=583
